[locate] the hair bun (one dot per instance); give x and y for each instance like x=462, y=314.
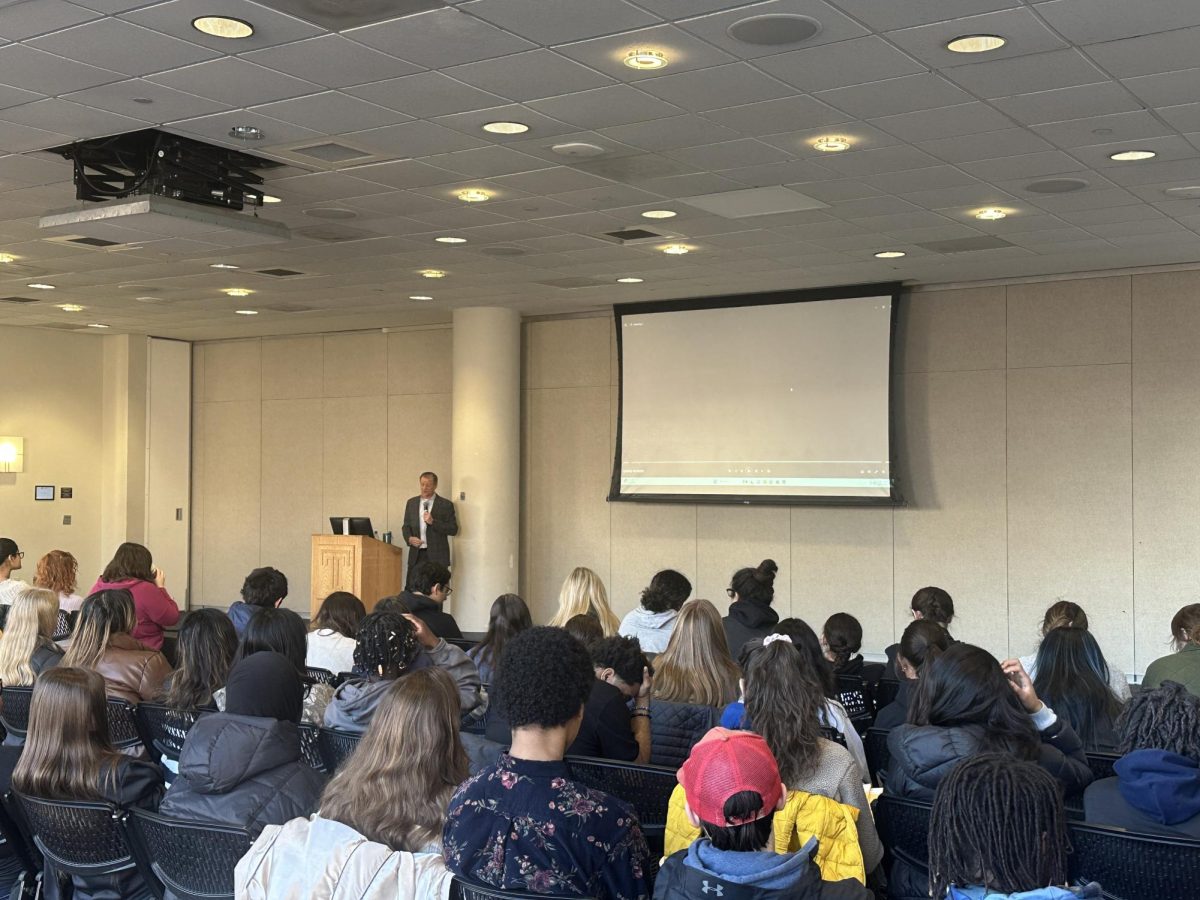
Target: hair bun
x=766, y=571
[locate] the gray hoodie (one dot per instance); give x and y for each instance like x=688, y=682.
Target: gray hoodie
x=652, y=630
x=354, y=703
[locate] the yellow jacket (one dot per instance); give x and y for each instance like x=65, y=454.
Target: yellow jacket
x=805, y=815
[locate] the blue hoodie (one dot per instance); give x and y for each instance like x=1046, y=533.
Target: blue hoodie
x=764, y=869
x=1165, y=786
x=1046, y=893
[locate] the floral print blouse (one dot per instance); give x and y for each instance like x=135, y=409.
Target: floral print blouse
x=525, y=825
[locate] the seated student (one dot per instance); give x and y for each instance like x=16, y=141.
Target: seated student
x=1156, y=789
x=377, y=833
x=585, y=628
x=1072, y=677
x=508, y=617
x=750, y=614
x=556, y=836
x=733, y=789
x=28, y=648
x=243, y=766
x=921, y=643
x=785, y=704
x=1182, y=666
x=696, y=667
x=998, y=832
x=653, y=621
x=841, y=639
x=58, y=571
x=331, y=635
x=264, y=588
x=931, y=604
x=1065, y=614
x=390, y=646
x=427, y=589
x=609, y=730
x=204, y=652
x=132, y=569
x=68, y=756
x=103, y=641
x=10, y=561
x=583, y=593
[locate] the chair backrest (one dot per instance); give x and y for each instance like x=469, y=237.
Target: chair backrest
x=85, y=839
x=18, y=842
x=886, y=692
x=317, y=675
x=852, y=694
x=832, y=734
x=192, y=861
x=1102, y=764
x=63, y=626
x=14, y=710
x=646, y=788
x=876, y=747
x=164, y=728
x=466, y=890
x=310, y=746
x=1132, y=866
x=335, y=747
x=903, y=827
x=464, y=644
x=675, y=728
x=122, y=724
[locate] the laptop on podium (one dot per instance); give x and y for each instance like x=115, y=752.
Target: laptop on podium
x=351, y=525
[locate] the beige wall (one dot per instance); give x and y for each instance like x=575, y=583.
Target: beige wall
x=289, y=431
x=1046, y=443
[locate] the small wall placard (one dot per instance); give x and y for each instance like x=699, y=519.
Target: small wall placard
x=43, y=492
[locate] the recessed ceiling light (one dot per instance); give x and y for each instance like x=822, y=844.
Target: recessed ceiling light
x=223, y=27
x=889, y=254
x=450, y=240
x=71, y=307
x=419, y=297
x=976, y=43
x=221, y=266
x=96, y=325
x=38, y=285
x=831, y=144
x=7, y=258
x=506, y=127
x=645, y=59
x=246, y=132
x=237, y=292
x=1188, y=191
x=267, y=198
x=659, y=214
x=630, y=280
x=474, y=195
x=676, y=249
x=246, y=312
x=432, y=273
x=1133, y=155
x=989, y=215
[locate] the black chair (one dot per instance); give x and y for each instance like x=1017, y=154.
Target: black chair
x=832, y=734
x=1101, y=764
x=310, y=746
x=86, y=840
x=164, y=728
x=646, y=788
x=886, y=692
x=122, y=725
x=467, y=890
x=20, y=861
x=903, y=827
x=1132, y=866
x=14, y=710
x=64, y=626
x=853, y=696
x=192, y=861
x=675, y=728
x=463, y=644
x=335, y=747
x=316, y=675
x=876, y=747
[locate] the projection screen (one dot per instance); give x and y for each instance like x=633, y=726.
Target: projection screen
x=783, y=397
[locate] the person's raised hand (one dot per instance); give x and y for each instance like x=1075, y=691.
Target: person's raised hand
x=428, y=517
x=1022, y=685
x=425, y=637
x=644, y=688
x=160, y=577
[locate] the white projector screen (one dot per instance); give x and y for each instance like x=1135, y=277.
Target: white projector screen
x=782, y=397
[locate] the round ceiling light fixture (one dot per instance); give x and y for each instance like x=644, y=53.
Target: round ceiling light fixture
x=96, y=325
x=578, y=149
x=890, y=254
x=71, y=307
x=267, y=198
x=1132, y=155
x=659, y=214
x=676, y=249
x=432, y=273
x=773, y=30
x=990, y=214
x=645, y=59
x=223, y=27
x=630, y=280
x=474, y=195
x=246, y=132
x=6, y=258
x=246, y=312
x=831, y=143
x=40, y=286
x=222, y=266
x=447, y=239
x=419, y=297
x=505, y=127
x=976, y=43
x=237, y=292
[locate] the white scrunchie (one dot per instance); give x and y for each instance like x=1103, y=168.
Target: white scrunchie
x=772, y=638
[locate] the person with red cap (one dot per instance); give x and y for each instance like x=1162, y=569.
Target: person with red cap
x=732, y=785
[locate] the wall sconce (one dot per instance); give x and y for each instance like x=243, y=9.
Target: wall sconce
x=12, y=454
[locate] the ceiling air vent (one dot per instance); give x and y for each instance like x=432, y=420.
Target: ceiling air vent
x=330, y=152
x=91, y=242
x=18, y=300
x=633, y=236
x=279, y=273
x=964, y=245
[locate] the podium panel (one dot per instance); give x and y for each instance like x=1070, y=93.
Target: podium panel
x=365, y=567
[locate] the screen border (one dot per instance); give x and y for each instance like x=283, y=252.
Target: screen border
x=765, y=298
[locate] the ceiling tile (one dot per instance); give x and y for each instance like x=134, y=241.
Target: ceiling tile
x=323, y=186
x=531, y=208
x=414, y=139
x=527, y=76
x=107, y=42
x=756, y=119
x=692, y=185
x=963, y=197
x=555, y=180
x=543, y=148
x=560, y=22
x=729, y=155
x=16, y=138
x=874, y=162
x=888, y=16
x=949, y=121
x=837, y=190
x=216, y=128
x=32, y=170
x=637, y=168
x=65, y=117
x=1025, y=33
x=1169, y=147
x=1063, y=104
x=44, y=73
x=714, y=28
x=845, y=63
x=167, y=104
x=175, y=18
x=677, y=9
x=234, y=81
x=472, y=123
x=425, y=95
x=618, y=104
x=1154, y=172
x=1164, y=52
x=764, y=175
x=1096, y=129
x=484, y=162
x=1093, y=21
x=1026, y=74
x=896, y=95
x=670, y=134
x=11, y=96
x=330, y=113
x=331, y=61
x=1027, y=165
x=716, y=88
x=437, y=39
x=1185, y=117
x=1166, y=88
x=25, y=20
x=683, y=51
x=990, y=145
x=926, y=179
x=607, y=197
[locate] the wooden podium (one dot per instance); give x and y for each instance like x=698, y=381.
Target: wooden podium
x=367, y=568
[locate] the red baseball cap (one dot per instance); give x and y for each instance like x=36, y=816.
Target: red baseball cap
x=725, y=763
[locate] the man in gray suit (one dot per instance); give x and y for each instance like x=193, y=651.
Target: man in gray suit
x=429, y=523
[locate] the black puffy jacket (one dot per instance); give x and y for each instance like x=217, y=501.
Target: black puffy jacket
x=244, y=771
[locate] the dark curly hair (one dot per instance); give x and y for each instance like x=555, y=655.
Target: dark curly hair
x=756, y=585
x=264, y=587
x=621, y=654
x=843, y=637
x=668, y=590
x=426, y=574
x=1166, y=718
x=387, y=641
x=544, y=679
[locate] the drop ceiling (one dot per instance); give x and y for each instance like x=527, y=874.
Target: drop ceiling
x=935, y=136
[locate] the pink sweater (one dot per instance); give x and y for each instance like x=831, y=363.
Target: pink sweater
x=155, y=608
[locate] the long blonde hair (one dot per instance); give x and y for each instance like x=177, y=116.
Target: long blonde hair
x=102, y=615
x=395, y=787
x=696, y=667
x=583, y=594
x=31, y=620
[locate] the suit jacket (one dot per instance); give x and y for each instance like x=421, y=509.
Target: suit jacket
x=437, y=535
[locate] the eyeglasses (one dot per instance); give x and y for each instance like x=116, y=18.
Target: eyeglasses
x=730, y=593
x=448, y=591
x=20, y=554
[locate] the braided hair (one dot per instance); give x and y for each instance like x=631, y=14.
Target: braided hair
x=1166, y=718
x=387, y=645
x=998, y=822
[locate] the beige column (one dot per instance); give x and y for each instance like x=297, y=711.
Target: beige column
x=486, y=459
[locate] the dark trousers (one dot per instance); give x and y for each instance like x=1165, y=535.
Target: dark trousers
x=415, y=555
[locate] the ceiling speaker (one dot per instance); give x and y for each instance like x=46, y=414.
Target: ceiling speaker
x=772, y=30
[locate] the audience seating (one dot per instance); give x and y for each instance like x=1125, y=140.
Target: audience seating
x=79, y=838
x=65, y=625
x=903, y=827
x=335, y=747
x=317, y=675
x=122, y=725
x=1101, y=764
x=675, y=728
x=886, y=692
x=646, y=788
x=464, y=644
x=853, y=695
x=876, y=747
x=310, y=746
x=466, y=890
x=14, y=710
x=164, y=728
x=832, y=734
x=191, y=861
x=20, y=862
x=1132, y=866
